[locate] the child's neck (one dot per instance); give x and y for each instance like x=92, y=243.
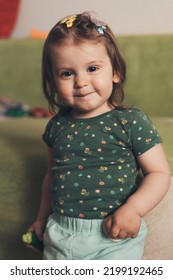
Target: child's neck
x=89, y=114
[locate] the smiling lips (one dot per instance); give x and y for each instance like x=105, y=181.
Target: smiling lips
x=84, y=94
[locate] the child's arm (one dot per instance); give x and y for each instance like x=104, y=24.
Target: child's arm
x=45, y=204
x=125, y=222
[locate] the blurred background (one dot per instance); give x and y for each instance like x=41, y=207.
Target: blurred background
x=124, y=17
x=144, y=30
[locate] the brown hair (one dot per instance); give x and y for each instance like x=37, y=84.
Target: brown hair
x=82, y=28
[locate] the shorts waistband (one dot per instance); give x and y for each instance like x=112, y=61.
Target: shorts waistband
x=77, y=224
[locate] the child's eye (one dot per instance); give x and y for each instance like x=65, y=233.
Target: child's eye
x=66, y=74
x=92, y=68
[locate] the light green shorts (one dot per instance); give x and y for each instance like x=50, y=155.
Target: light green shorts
x=67, y=238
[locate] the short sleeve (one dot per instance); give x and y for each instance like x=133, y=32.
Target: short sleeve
x=48, y=133
x=144, y=136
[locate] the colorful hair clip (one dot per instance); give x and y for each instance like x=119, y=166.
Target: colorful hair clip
x=68, y=20
x=98, y=21
x=101, y=29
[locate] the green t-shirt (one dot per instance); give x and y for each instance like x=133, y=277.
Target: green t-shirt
x=95, y=168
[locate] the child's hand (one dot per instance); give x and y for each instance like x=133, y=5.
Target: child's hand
x=30, y=240
x=38, y=227
x=37, y=230
x=123, y=223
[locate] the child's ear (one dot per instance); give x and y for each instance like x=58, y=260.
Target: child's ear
x=116, y=78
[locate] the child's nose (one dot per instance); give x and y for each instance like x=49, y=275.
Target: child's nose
x=81, y=80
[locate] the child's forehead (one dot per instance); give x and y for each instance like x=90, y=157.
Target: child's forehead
x=83, y=51
x=83, y=44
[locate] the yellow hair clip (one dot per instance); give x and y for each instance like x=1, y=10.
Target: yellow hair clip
x=68, y=20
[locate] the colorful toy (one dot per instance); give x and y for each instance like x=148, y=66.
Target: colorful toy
x=30, y=239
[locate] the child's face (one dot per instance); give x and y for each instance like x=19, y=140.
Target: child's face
x=84, y=77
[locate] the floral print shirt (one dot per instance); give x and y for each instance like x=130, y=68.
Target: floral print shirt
x=95, y=160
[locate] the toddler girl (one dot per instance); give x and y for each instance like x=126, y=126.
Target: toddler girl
x=92, y=203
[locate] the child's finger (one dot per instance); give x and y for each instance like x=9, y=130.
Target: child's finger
x=122, y=234
x=114, y=232
x=107, y=226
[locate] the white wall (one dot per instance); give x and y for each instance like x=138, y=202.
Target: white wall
x=124, y=16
